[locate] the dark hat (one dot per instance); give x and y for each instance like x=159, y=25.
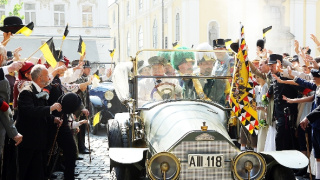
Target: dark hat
x=70, y=102
x=9, y=55
x=295, y=58
x=157, y=60
x=86, y=64
x=315, y=73
x=274, y=57
x=260, y=43
x=11, y=24
x=235, y=46
x=219, y=43
x=179, y=57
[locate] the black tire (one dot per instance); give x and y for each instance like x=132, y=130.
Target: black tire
x=280, y=172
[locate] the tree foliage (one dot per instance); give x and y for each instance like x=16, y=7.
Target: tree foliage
x=15, y=11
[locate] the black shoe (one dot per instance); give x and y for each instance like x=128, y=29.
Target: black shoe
x=79, y=158
x=76, y=174
x=84, y=151
x=307, y=176
x=53, y=176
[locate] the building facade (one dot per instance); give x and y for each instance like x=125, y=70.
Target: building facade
x=88, y=18
x=144, y=24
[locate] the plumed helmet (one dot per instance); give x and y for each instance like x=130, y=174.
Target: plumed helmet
x=179, y=57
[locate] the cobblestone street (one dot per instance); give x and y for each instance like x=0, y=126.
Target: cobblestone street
x=99, y=166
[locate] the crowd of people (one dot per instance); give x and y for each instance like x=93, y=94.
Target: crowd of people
x=43, y=112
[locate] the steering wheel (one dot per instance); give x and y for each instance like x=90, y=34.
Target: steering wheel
x=165, y=92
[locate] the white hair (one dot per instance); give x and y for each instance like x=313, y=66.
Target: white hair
x=36, y=71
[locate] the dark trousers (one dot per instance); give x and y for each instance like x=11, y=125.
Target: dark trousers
x=285, y=139
x=68, y=146
x=302, y=138
x=31, y=164
x=316, y=142
x=9, y=160
x=81, y=137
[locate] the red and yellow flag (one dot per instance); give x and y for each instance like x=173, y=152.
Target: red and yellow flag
x=242, y=95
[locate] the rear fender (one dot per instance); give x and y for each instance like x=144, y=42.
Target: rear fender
x=96, y=101
x=289, y=158
x=127, y=155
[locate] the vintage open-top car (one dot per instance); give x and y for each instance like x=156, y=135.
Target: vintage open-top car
x=177, y=124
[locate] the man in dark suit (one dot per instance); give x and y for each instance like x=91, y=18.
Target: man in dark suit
x=33, y=118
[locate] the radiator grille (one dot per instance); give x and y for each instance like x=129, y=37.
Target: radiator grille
x=205, y=147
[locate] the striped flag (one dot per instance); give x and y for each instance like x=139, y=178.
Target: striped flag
x=112, y=52
x=242, y=95
x=26, y=30
x=65, y=34
x=81, y=47
x=49, y=52
x=265, y=31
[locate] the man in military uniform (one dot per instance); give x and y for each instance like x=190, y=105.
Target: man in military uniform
x=84, y=95
x=284, y=137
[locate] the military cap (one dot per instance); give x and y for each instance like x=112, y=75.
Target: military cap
x=179, y=57
x=157, y=60
x=86, y=64
x=315, y=73
x=274, y=57
x=219, y=43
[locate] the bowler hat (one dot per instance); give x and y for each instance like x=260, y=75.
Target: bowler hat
x=157, y=60
x=179, y=57
x=219, y=43
x=235, y=46
x=11, y=24
x=315, y=73
x=70, y=102
x=274, y=57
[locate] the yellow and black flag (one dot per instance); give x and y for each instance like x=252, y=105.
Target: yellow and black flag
x=111, y=52
x=175, y=45
x=26, y=30
x=265, y=31
x=228, y=42
x=65, y=34
x=81, y=47
x=49, y=52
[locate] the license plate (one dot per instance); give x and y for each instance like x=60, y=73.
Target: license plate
x=205, y=160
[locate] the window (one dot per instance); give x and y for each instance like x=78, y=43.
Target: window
x=2, y=10
x=177, y=27
x=128, y=44
x=87, y=16
x=166, y=42
x=140, y=38
x=140, y=4
x=30, y=13
x=128, y=9
x=154, y=32
x=59, y=19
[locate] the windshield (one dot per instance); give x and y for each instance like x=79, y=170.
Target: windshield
x=101, y=69
x=183, y=75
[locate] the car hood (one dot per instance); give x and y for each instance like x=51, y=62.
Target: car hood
x=167, y=123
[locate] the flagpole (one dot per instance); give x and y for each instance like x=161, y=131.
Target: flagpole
x=33, y=54
x=7, y=40
x=60, y=48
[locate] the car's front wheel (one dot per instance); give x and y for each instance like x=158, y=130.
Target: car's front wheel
x=280, y=172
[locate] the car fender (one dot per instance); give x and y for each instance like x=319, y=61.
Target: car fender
x=96, y=101
x=288, y=158
x=122, y=118
x=127, y=155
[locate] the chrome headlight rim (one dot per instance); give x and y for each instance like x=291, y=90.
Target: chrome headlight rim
x=108, y=95
x=263, y=168
x=167, y=154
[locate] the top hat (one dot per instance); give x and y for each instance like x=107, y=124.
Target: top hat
x=219, y=43
x=70, y=102
x=274, y=57
x=179, y=57
x=315, y=73
x=11, y=24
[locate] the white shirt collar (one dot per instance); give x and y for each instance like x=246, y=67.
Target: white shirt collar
x=37, y=86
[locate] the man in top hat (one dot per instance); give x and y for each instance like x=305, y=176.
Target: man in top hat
x=155, y=89
x=224, y=62
x=284, y=137
x=84, y=95
x=11, y=25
